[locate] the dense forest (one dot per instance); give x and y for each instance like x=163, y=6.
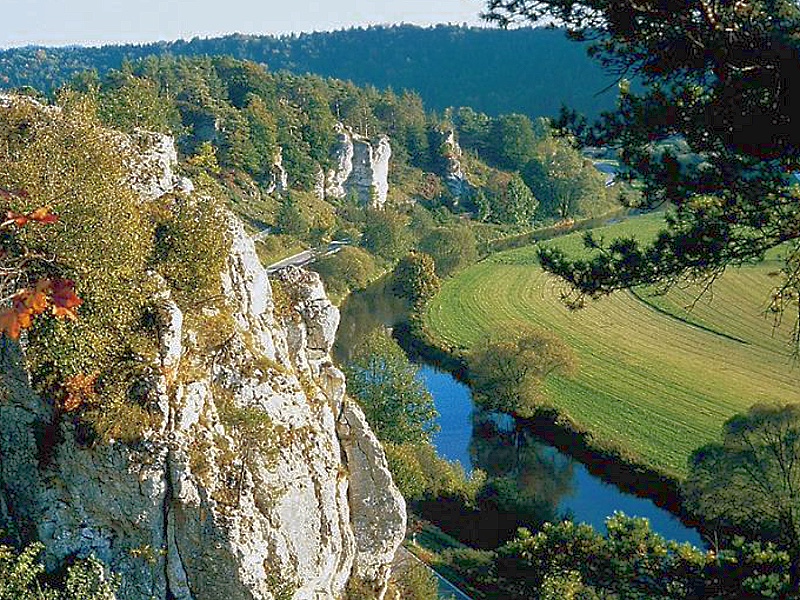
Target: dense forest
x=529, y=71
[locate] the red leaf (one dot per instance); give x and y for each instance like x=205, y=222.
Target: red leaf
x=64, y=299
x=43, y=215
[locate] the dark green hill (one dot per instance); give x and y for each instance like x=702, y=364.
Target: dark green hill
x=530, y=71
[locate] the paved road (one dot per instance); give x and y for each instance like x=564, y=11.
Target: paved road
x=447, y=591
x=306, y=256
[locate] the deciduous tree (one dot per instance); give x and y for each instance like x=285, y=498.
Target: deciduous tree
x=507, y=374
x=384, y=382
x=752, y=478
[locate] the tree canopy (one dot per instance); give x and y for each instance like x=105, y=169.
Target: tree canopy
x=507, y=375
x=722, y=76
x=383, y=381
x=758, y=460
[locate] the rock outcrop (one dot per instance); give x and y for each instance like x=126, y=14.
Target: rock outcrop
x=279, y=178
x=453, y=173
x=361, y=167
x=259, y=479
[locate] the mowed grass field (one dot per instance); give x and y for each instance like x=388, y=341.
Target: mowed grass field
x=653, y=378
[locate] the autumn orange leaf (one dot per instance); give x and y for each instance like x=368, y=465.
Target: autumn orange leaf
x=59, y=294
x=64, y=299
x=43, y=215
x=16, y=218
x=9, y=324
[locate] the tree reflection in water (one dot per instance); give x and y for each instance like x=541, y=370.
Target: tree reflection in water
x=504, y=449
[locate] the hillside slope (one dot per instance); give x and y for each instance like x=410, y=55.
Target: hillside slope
x=529, y=71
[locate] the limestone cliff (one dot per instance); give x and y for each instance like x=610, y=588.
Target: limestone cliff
x=453, y=173
x=260, y=479
x=361, y=167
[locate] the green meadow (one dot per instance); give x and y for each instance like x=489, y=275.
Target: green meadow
x=658, y=375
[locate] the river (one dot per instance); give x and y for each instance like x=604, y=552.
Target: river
x=493, y=444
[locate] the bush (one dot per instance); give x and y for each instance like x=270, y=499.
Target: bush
x=415, y=278
x=106, y=239
x=103, y=239
x=190, y=247
x=347, y=270
x=22, y=578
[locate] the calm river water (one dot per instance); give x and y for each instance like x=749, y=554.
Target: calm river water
x=565, y=482
x=489, y=443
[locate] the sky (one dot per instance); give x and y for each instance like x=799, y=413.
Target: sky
x=95, y=22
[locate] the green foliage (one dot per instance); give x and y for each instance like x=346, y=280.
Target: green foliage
x=566, y=184
x=477, y=566
x=452, y=248
x=513, y=141
x=732, y=99
x=383, y=381
x=386, y=234
x=190, y=247
x=128, y=102
x=420, y=473
x=631, y=561
x=103, y=235
x=22, y=578
x=516, y=204
x=414, y=581
x=349, y=269
x=289, y=220
x=489, y=81
x=508, y=375
x=414, y=278
x=758, y=459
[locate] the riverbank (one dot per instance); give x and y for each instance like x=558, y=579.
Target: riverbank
x=603, y=459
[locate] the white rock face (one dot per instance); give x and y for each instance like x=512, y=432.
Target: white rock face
x=361, y=167
x=259, y=479
x=454, y=176
x=280, y=178
x=152, y=173
x=342, y=156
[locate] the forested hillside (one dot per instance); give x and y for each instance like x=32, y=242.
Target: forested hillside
x=530, y=71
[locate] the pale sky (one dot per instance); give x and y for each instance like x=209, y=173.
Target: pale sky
x=94, y=22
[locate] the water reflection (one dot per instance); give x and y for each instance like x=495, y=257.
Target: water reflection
x=502, y=449
x=554, y=482
x=363, y=312
x=560, y=485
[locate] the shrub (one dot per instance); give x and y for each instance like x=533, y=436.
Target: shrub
x=22, y=578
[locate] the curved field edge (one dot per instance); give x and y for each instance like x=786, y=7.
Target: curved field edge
x=650, y=384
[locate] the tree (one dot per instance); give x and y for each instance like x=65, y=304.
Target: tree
x=507, y=374
x=564, y=182
x=289, y=220
x=516, y=205
x=383, y=381
x=386, y=234
x=415, y=278
x=349, y=269
x=752, y=478
x=725, y=77
x=452, y=248
x=512, y=141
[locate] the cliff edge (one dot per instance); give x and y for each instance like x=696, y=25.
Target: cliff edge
x=259, y=479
